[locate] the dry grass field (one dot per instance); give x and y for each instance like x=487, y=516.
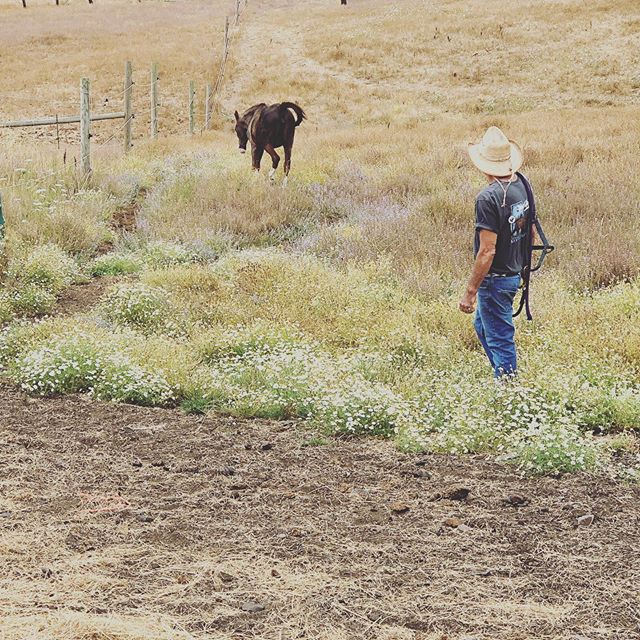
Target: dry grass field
x=317, y=434
x=47, y=49
x=408, y=62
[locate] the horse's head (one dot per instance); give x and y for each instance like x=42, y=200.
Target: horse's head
x=241, y=132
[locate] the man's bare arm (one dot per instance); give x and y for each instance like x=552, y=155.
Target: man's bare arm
x=481, y=267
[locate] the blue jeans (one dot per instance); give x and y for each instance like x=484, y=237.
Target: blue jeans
x=494, y=322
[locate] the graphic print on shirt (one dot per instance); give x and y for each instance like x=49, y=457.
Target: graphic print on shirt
x=518, y=220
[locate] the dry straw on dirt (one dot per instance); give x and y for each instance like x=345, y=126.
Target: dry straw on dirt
x=129, y=523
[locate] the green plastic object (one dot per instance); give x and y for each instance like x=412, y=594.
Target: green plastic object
x=1, y=219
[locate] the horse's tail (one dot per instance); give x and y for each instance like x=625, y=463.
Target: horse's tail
x=296, y=109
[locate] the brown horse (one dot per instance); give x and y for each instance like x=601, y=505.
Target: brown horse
x=267, y=128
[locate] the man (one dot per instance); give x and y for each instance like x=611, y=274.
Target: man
x=500, y=248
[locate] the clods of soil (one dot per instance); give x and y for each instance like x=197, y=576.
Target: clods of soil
x=331, y=542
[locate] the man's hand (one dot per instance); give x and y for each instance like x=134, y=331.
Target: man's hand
x=468, y=302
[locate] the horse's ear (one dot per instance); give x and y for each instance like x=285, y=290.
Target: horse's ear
x=237, y=115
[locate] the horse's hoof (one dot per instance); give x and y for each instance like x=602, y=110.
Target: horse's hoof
x=272, y=173
x=285, y=181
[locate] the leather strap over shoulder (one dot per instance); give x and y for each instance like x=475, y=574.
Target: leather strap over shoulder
x=545, y=248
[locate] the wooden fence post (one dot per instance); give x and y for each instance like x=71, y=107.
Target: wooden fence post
x=192, y=107
x=226, y=37
x=207, y=106
x=128, y=110
x=1, y=221
x=154, y=100
x=85, y=128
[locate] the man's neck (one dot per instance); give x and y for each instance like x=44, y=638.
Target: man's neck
x=512, y=178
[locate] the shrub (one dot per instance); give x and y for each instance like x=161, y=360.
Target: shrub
x=31, y=300
x=138, y=306
x=165, y=254
x=47, y=267
x=115, y=264
x=260, y=336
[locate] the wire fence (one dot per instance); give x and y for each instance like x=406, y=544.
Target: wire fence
x=124, y=93
x=118, y=130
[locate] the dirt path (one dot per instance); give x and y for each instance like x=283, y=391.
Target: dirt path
x=283, y=48
x=123, y=522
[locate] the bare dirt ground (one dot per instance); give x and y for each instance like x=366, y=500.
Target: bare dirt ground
x=79, y=298
x=124, y=522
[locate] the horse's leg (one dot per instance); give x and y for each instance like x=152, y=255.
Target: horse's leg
x=275, y=159
x=256, y=156
x=287, y=162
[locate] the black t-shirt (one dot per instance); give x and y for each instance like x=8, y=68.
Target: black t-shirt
x=509, y=222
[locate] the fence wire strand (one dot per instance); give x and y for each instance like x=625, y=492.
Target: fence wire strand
x=117, y=131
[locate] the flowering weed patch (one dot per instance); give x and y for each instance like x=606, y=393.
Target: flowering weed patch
x=554, y=447
x=115, y=264
x=82, y=363
x=47, y=267
x=162, y=253
x=27, y=300
x=283, y=380
x=138, y=306
x=19, y=337
x=34, y=279
x=280, y=382
x=538, y=427
x=359, y=407
x=259, y=337
x=279, y=336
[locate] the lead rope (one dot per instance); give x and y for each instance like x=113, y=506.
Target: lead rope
x=505, y=189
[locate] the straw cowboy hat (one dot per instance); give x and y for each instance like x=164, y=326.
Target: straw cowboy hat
x=495, y=154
